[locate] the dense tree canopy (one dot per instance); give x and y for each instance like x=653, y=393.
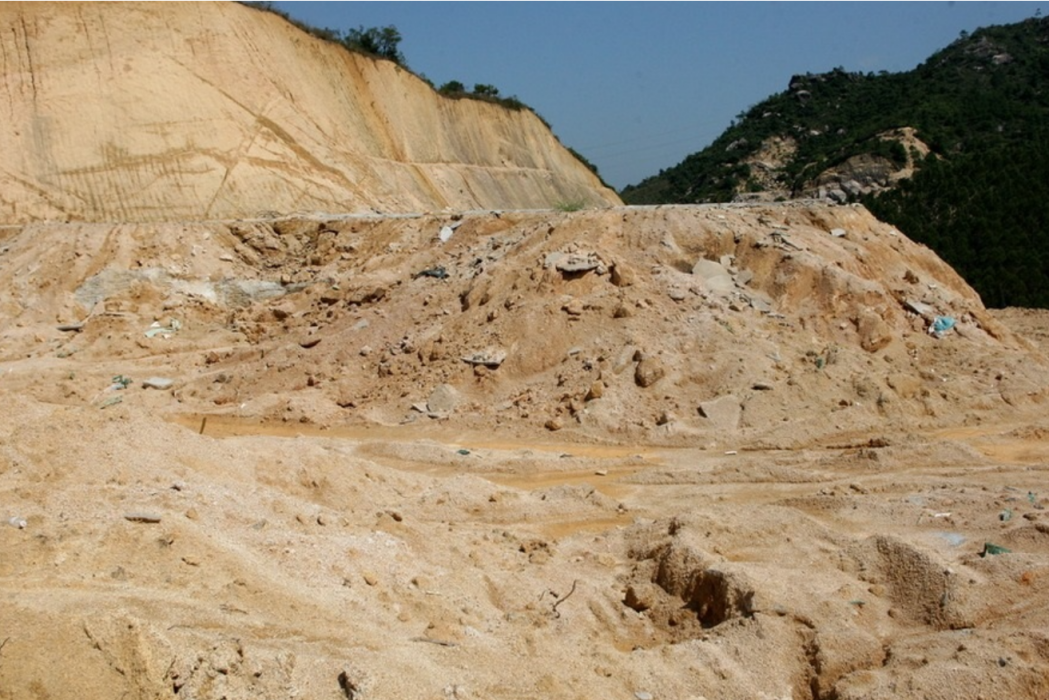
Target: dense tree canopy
x=981, y=198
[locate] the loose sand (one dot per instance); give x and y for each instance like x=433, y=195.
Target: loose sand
x=641, y=481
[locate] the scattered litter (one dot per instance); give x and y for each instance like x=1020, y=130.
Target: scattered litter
x=953, y=538
x=941, y=515
x=120, y=382
x=17, y=521
x=447, y=231
x=1005, y=516
x=731, y=452
x=111, y=401
x=463, y=451
x=601, y=472
x=940, y=326
x=167, y=331
x=858, y=603
x=992, y=549
x=71, y=327
x=837, y=232
x=158, y=383
x=1031, y=497
x=642, y=695
x=436, y=272
x=142, y=517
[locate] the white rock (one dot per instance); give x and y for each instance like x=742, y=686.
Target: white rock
x=161, y=383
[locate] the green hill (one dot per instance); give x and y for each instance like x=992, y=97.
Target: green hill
x=955, y=153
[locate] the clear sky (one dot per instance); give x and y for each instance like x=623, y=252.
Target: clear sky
x=637, y=86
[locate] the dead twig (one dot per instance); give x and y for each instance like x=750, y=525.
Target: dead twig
x=563, y=598
x=439, y=642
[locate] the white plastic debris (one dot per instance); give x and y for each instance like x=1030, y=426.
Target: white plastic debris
x=17, y=521
x=447, y=231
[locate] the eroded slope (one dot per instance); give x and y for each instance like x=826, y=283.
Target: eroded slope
x=167, y=112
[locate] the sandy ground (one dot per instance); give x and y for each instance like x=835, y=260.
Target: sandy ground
x=585, y=515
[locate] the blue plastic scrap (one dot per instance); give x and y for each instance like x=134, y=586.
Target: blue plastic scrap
x=940, y=325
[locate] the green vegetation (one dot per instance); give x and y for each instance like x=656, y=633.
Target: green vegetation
x=384, y=42
x=570, y=205
x=981, y=197
x=482, y=92
x=381, y=42
x=452, y=87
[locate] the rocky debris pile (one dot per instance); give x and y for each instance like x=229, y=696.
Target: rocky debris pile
x=763, y=324
x=207, y=494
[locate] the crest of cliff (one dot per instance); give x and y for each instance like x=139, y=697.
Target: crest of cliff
x=149, y=112
x=953, y=152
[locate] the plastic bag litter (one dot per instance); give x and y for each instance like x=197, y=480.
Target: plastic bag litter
x=940, y=326
x=171, y=329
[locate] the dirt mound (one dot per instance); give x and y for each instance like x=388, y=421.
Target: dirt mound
x=721, y=451
x=725, y=326
x=170, y=112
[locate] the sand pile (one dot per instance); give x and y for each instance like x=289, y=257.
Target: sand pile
x=677, y=452
x=773, y=326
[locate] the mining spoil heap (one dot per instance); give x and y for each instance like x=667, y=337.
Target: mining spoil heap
x=476, y=451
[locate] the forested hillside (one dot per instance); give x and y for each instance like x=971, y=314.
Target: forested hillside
x=955, y=153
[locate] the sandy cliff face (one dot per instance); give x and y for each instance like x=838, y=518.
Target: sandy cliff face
x=148, y=112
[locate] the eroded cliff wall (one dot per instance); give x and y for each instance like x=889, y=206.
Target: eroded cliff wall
x=176, y=111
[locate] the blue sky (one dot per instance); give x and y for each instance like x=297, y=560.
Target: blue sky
x=637, y=86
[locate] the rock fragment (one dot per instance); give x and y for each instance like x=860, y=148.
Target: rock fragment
x=874, y=332
x=161, y=383
x=723, y=412
x=490, y=358
x=649, y=371
x=573, y=307
x=715, y=276
x=576, y=263
x=443, y=400
x=622, y=275
x=142, y=517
